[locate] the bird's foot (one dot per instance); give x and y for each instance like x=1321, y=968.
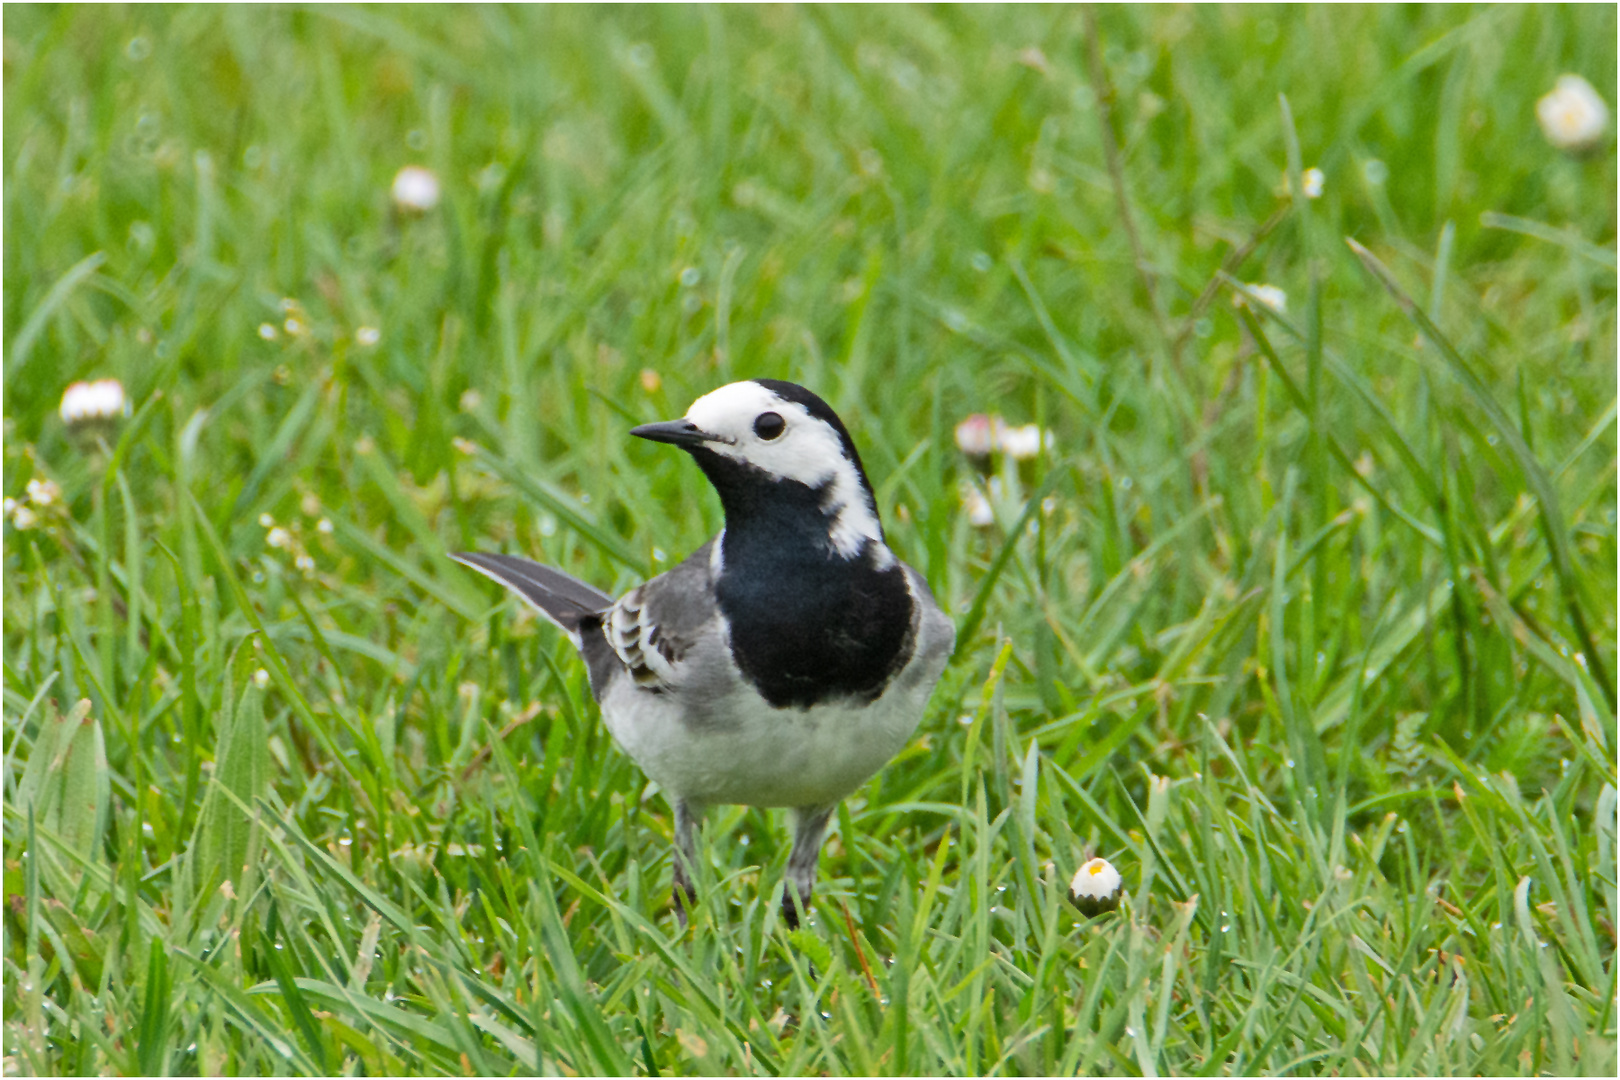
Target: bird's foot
x=792, y=905
x=685, y=899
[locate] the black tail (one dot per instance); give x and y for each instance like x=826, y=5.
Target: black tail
x=560, y=598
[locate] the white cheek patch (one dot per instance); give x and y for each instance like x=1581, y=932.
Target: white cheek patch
x=809, y=451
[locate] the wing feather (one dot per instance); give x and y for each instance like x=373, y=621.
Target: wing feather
x=653, y=626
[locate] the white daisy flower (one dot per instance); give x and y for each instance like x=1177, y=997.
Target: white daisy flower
x=261, y=678
x=367, y=336
x=43, y=492
x=278, y=537
x=1573, y=115
x=415, y=190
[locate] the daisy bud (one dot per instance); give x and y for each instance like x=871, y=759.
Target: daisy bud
x=1096, y=887
x=976, y=436
x=1021, y=443
x=1265, y=295
x=86, y=402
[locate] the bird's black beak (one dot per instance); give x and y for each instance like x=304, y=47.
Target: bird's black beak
x=682, y=433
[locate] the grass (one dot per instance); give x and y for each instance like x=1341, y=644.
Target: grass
x=1307, y=621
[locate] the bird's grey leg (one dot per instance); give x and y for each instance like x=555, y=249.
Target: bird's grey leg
x=686, y=825
x=809, y=828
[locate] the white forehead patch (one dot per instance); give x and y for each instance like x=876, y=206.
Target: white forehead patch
x=808, y=450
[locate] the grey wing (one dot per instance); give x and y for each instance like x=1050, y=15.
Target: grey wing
x=936, y=633
x=654, y=627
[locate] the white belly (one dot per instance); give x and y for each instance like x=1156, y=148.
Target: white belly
x=747, y=752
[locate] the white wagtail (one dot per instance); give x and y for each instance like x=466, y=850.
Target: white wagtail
x=782, y=663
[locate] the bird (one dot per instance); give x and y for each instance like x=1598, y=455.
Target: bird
x=781, y=664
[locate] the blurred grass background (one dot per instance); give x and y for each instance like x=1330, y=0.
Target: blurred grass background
x=1307, y=620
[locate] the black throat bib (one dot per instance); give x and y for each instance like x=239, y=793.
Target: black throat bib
x=807, y=624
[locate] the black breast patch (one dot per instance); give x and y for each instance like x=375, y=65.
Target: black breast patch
x=807, y=624
x=817, y=628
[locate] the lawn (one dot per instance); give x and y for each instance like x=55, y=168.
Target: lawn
x=1305, y=618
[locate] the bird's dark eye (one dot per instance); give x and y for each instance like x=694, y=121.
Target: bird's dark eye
x=769, y=425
